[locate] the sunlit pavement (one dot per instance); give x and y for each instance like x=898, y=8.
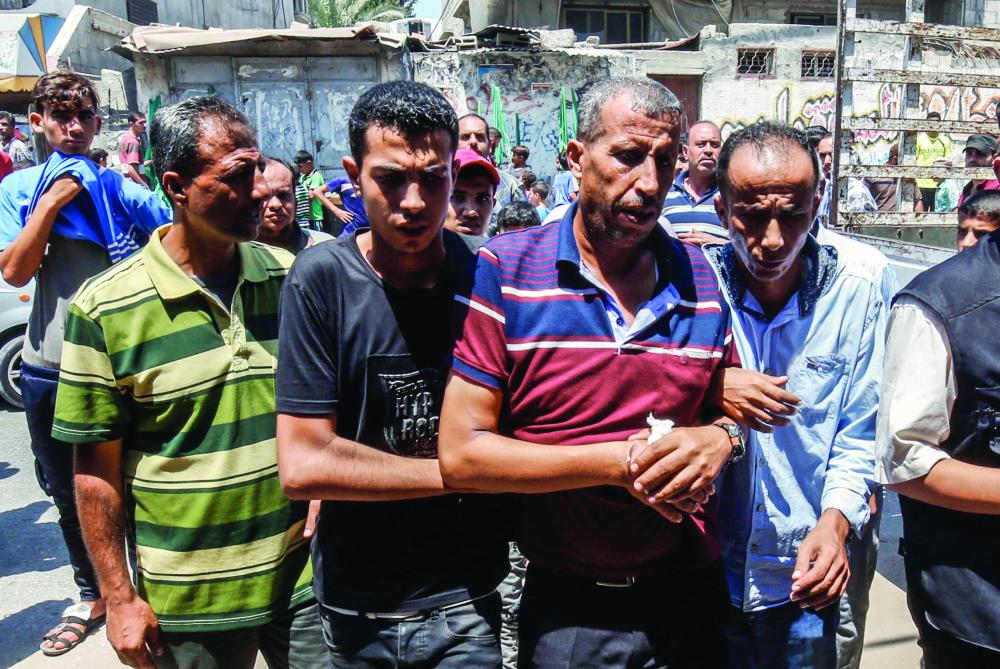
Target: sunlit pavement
x=36, y=583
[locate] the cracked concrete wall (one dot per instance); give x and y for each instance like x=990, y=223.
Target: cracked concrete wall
x=529, y=83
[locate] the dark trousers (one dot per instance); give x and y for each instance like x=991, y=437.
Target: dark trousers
x=942, y=650
x=928, y=195
x=290, y=641
x=662, y=622
x=54, y=468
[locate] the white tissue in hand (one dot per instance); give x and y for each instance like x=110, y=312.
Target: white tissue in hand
x=658, y=428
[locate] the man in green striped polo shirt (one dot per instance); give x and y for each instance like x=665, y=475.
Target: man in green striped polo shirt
x=167, y=385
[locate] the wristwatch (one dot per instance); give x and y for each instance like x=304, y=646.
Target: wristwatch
x=735, y=440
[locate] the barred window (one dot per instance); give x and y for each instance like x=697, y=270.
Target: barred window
x=755, y=62
x=819, y=64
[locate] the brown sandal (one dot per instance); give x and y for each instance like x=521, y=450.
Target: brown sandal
x=54, y=635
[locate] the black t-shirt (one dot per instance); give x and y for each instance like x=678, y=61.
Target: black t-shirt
x=378, y=357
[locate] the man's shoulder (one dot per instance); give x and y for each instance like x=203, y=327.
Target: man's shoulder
x=535, y=242
x=122, y=285
x=22, y=181
x=273, y=260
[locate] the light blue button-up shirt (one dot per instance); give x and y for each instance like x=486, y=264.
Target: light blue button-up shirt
x=829, y=341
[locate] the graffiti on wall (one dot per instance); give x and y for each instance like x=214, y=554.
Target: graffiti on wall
x=529, y=92
x=958, y=103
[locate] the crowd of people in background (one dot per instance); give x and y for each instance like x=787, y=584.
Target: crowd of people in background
x=439, y=412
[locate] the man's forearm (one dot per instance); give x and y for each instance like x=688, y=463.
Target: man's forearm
x=489, y=462
x=22, y=258
x=958, y=486
x=102, y=519
x=315, y=465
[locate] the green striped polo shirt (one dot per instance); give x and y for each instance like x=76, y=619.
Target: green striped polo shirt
x=153, y=359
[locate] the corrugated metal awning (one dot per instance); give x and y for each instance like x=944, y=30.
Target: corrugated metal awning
x=170, y=39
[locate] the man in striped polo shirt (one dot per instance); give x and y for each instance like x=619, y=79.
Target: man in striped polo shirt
x=167, y=390
x=690, y=204
x=575, y=332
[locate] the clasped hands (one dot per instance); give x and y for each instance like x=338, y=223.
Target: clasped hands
x=676, y=473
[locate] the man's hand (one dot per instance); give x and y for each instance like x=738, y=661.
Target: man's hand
x=700, y=238
x=682, y=465
x=342, y=215
x=310, y=527
x=134, y=633
x=757, y=400
x=61, y=192
x=821, y=568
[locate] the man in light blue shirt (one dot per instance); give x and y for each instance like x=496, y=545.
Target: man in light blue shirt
x=801, y=314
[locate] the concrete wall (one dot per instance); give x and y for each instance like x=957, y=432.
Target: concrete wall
x=229, y=14
x=529, y=91
x=776, y=11
x=294, y=102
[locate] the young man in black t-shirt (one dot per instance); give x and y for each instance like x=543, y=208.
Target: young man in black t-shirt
x=406, y=570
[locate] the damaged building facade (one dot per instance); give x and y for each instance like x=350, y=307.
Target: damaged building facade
x=731, y=61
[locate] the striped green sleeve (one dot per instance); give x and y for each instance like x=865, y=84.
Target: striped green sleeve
x=89, y=405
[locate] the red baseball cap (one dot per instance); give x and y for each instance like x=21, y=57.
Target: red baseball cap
x=468, y=158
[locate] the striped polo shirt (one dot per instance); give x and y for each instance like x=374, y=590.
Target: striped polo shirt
x=535, y=328
x=687, y=214
x=153, y=359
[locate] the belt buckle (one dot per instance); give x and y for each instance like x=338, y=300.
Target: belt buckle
x=626, y=582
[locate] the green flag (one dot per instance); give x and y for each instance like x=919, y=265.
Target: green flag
x=500, y=123
x=154, y=181
x=567, y=116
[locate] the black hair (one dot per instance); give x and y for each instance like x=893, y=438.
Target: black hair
x=492, y=132
x=410, y=108
x=563, y=162
x=521, y=150
x=97, y=155
x=816, y=134
x=9, y=117
x=303, y=156
x=984, y=204
x=528, y=178
x=762, y=135
x=175, y=133
x=934, y=114
x=541, y=188
x=518, y=214
x=135, y=116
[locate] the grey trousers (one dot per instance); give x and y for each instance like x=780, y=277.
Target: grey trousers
x=510, y=592
x=292, y=641
x=863, y=554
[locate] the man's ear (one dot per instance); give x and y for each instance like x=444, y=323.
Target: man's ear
x=575, y=151
x=35, y=121
x=100, y=122
x=720, y=209
x=173, y=186
x=353, y=172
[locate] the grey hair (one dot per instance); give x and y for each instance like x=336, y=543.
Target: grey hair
x=648, y=96
x=176, y=131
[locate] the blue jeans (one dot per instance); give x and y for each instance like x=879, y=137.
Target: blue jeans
x=54, y=470
x=462, y=637
x=783, y=637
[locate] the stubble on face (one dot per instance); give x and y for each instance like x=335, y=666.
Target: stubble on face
x=626, y=172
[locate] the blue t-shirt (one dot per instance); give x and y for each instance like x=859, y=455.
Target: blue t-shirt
x=352, y=202
x=115, y=213
x=563, y=184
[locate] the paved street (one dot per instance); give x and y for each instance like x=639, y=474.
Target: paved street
x=36, y=582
